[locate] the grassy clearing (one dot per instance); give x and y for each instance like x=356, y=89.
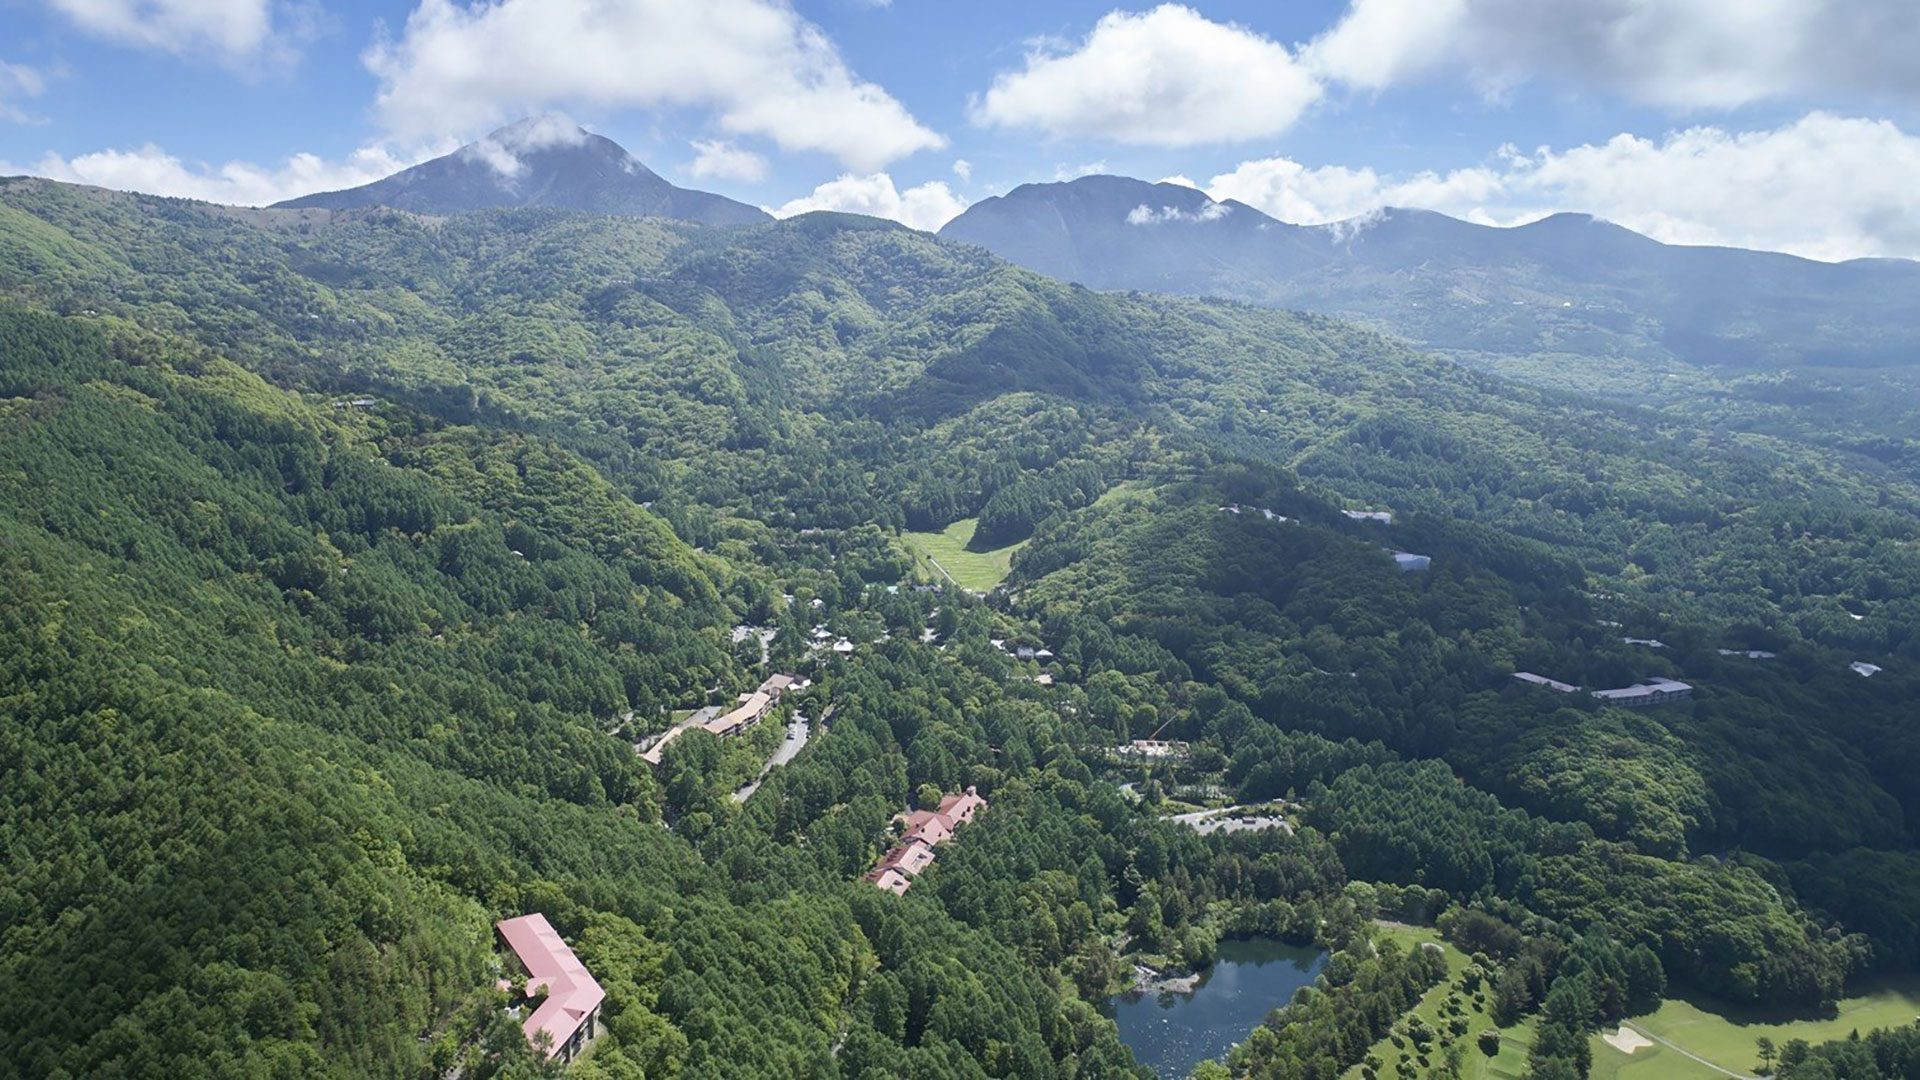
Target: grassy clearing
x=980, y=570
x=1725, y=1034
x=1509, y=1064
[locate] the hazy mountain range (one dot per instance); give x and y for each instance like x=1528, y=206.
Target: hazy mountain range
x=1568, y=283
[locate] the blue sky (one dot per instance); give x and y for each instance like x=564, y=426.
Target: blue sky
x=1768, y=123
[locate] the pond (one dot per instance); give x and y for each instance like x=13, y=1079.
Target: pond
x=1171, y=1033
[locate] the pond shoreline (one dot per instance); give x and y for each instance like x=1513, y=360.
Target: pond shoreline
x=1174, y=1019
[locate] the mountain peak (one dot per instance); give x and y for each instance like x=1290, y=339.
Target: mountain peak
x=547, y=161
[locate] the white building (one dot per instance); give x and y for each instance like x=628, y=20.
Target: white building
x=1642, y=695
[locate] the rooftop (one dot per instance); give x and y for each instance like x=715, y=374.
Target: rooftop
x=571, y=992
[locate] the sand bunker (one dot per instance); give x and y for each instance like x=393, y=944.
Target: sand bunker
x=1626, y=1040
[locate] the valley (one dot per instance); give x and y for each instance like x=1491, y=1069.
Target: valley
x=356, y=556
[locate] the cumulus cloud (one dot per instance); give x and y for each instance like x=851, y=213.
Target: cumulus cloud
x=1824, y=186
x=1677, y=53
x=232, y=31
x=963, y=169
x=1165, y=77
x=1147, y=215
x=152, y=170
x=717, y=158
x=926, y=206
x=756, y=64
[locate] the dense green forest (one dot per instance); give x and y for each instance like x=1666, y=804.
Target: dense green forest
x=349, y=555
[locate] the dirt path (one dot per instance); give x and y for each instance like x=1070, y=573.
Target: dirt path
x=943, y=570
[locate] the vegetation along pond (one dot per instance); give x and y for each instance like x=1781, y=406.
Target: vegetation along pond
x=1171, y=1033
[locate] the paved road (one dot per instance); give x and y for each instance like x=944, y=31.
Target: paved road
x=798, y=732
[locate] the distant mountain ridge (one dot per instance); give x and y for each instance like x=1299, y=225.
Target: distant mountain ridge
x=1568, y=283
x=543, y=161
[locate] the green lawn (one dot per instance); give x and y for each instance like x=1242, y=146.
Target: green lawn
x=1725, y=1034
x=1509, y=1064
x=980, y=570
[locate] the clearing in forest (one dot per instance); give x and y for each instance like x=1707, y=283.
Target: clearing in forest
x=947, y=551
x=1725, y=1035
x=1509, y=1064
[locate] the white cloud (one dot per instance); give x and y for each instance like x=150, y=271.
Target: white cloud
x=926, y=206
x=758, y=65
x=1166, y=77
x=1063, y=173
x=151, y=169
x=233, y=31
x=718, y=158
x=1180, y=179
x=18, y=81
x=1147, y=215
x=963, y=169
x=1680, y=53
x=1825, y=186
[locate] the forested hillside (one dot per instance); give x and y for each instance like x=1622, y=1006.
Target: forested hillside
x=350, y=554
x=1742, y=340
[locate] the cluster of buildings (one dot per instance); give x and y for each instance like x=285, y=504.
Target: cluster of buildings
x=1236, y=508
x=925, y=830
x=1156, y=748
x=1039, y=654
x=752, y=708
x=1405, y=560
x=568, y=1014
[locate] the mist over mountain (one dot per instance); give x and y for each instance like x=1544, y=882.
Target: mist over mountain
x=1568, y=283
x=544, y=161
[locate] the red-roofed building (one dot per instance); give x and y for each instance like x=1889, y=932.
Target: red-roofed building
x=570, y=1012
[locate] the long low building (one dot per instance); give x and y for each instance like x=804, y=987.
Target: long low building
x=1542, y=680
x=1642, y=695
x=568, y=1016
x=752, y=708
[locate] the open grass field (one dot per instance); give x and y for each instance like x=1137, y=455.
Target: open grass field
x=1725, y=1034
x=1509, y=1064
x=980, y=570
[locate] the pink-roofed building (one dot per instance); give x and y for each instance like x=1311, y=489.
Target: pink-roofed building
x=959, y=809
x=570, y=1013
x=924, y=829
x=911, y=858
x=929, y=826
x=890, y=879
